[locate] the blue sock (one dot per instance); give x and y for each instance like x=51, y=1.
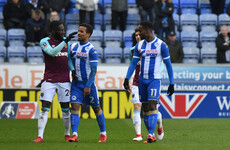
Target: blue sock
x=74, y=122
x=146, y=121
x=152, y=122
x=101, y=122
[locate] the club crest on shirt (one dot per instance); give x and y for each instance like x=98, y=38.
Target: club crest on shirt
x=53, y=46
x=42, y=94
x=45, y=45
x=65, y=45
x=87, y=48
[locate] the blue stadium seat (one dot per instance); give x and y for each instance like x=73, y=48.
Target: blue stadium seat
x=176, y=6
x=127, y=38
x=107, y=21
x=191, y=55
x=1, y=17
x=98, y=21
x=108, y=4
x=208, y=38
x=176, y=21
x=205, y=7
x=189, y=21
x=34, y=54
x=3, y=35
x=126, y=54
x=16, y=37
x=2, y=54
x=2, y=2
x=188, y=6
x=208, y=22
x=112, y=38
x=189, y=38
x=113, y=55
x=16, y=54
x=96, y=38
x=208, y=55
x=71, y=20
x=224, y=20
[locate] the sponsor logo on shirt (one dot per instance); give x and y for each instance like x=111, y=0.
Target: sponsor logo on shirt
x=82, y=55
x=62, y=54
x=152, y=52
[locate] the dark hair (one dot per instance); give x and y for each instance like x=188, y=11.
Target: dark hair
x=147, y=25
x=54, y=25
x=89, y=28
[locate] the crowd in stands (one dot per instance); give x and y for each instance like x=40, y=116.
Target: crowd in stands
x=180, y=23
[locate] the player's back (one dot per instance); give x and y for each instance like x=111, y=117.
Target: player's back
x=81, y=53
x=56, y=68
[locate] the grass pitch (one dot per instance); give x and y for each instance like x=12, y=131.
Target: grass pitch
x=188, y=134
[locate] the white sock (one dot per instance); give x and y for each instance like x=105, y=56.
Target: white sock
x=104, y=133
x=75, y=133
x=159, y=120
x=42, y=120
x=66, y=120
x=137, y=121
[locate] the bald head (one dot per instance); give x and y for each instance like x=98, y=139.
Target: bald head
x=224, y=31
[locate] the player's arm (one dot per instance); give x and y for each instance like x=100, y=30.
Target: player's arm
x=167, y=61
x=93, y=66
x=133, y=63
x=48, y=49
x=70, y=62
x=130, y=54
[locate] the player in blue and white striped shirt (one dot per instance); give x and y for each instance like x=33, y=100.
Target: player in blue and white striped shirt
x=151, y=51
x=85, y=60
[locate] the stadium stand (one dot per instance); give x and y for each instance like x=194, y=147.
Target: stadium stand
x=188, y=6
x=34, y=54
x=208, y=55
x=191, y=55
x=208, y=22
x=189, y=38
x=126, y=54
x=3, y=36
x=207, y=38
x=205, y=7
x=112, y=38
x=16, y=37
x=113, y=55
x=189, y=22
x=127, y=38
x=16, y=54
x=2, y=54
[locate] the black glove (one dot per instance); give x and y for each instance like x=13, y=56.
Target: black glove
x=71, y=35
x=170, y=90
x=126, y=84
x=74, y=78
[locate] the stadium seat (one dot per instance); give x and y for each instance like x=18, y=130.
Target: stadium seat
x=208, y=55
x=113, y=55
x=208, y=22
x=34, y=54
x=224, y=20
x=112, y=38
x=16, y=37
x=188, y=6
x=16, y=54
x=98, y=21
x=107, y=21
x=1, y=17
x=133, y=19
x=71, y=20
x=176, y=6
x=96, y=38
x=2, y=54
x=176, y=21
x=189, y=38
x=108, y=4
x=189, y=22
x=205, y=7
x=207, y=37
x=127, y=38
x=191, y=55
x=3, y=35
x=126, y=54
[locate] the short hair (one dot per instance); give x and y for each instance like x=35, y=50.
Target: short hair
x=89, y=27
x=147, y=25
x=54, y=25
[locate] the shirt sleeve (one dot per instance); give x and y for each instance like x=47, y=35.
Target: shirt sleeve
x=44, y=44
x=133, y=63
x=70, y=62
x=165, y=51
x=93, y=56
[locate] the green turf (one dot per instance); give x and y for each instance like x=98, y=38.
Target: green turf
x=189, y=134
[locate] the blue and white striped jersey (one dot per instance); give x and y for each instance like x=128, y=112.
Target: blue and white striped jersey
x=151, y=55
x=83, y=54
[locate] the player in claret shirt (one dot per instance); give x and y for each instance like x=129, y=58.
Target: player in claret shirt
x=56, y=53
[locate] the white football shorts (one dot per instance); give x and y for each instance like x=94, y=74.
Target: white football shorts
x=49, y=89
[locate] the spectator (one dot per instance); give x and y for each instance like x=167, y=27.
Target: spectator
x=14, y=13
x=53, y=16
x=228, y=9
x=217, y=6
x=87, y=6
x=164, y=19
x=35, y=27
x=119, y=13
x=32, y=5
x=175, y=48
x=222, y=44
x=57, y=5
x=146, y=8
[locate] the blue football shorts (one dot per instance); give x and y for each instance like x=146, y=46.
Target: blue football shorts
x=149, y=90
x=77, y=92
